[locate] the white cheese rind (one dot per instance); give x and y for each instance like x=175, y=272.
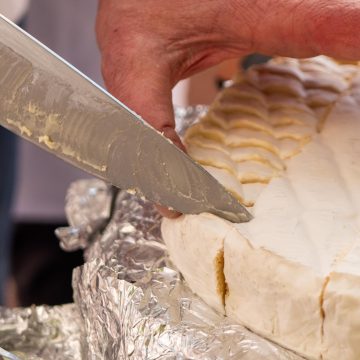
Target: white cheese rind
x=341, y=306
x=293, y=272
x=341, y=300
x=186, y=238
x=272, y=296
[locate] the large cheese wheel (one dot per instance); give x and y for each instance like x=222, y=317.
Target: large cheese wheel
x=285, y=140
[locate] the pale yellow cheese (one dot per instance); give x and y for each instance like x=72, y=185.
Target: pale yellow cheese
x=207, y=283
x=292, y=274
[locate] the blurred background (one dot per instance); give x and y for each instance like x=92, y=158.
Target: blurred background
x=33, y=184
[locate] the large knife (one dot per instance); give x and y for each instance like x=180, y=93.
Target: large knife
x=48, y=102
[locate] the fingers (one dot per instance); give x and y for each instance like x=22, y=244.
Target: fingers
x=145, y=90
x=137, y=73
x=135, y=65
x=148, y=93
x=164, y=211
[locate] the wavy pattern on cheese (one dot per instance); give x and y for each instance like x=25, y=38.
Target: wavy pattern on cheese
x=263, y=119
x=285, y=140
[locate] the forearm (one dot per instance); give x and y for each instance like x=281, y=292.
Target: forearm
x=299, y=28
x=187, y=35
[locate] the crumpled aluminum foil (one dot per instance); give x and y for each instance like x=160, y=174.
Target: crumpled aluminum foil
x=134, y=303
x=130, y=301
x=41, y=333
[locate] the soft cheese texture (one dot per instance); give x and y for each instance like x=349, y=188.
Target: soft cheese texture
x=285, y=140
x=207, y=284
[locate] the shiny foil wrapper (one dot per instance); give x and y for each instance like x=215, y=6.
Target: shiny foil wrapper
x=130, y=301
x=41, y=333
x=133, y=301
x=135, y=304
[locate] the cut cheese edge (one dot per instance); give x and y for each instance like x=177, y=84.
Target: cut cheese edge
x=274, y=297
x=292, y=274
x=209, y=284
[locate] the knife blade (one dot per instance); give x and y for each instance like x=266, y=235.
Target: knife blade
x=50, y=103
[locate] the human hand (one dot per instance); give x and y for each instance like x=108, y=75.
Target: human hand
x=147, y=46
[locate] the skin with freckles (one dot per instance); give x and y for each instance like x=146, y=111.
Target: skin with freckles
x=147, y=46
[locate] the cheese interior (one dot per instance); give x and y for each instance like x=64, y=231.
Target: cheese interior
x=285, y=140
